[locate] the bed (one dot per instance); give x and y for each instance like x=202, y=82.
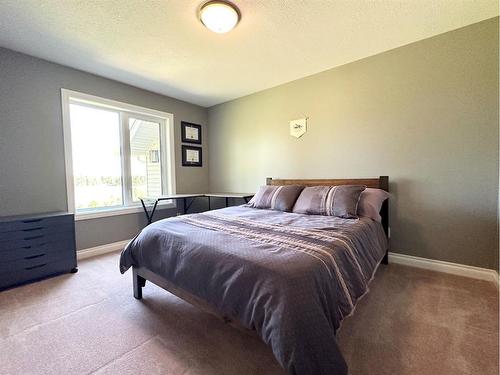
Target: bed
x=290, y=278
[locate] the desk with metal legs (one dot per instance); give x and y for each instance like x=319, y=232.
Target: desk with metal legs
x=149, y=214
x=184, y=197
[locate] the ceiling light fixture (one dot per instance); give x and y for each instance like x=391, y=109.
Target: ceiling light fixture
x=219, y=16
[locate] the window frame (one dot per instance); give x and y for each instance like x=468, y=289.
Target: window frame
x=167, y=159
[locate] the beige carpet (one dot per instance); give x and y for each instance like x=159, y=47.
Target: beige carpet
x=412, y=322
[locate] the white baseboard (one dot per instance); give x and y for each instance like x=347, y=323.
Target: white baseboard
x=102, y=249
x=446, y=267
x=406, y=260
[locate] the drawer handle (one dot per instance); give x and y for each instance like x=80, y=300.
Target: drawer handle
x=35, y=256
x=33, y=237
x=39, y=245
x=37, y=266
x=32, y=229
x=32, y=221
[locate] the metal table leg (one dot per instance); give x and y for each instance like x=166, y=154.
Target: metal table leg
x=186, y=208
x=149, y=215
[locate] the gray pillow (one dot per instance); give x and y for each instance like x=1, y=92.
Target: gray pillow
x=281, y=198
x=341, y=201
x=312, y=200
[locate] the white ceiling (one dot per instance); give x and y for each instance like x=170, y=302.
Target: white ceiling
x=161, y=46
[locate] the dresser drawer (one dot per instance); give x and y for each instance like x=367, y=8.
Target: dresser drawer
x=62, y=246
x=27, y=224
x=35, y=272
x=37, y=261
x=34, y=241
x=36, y=233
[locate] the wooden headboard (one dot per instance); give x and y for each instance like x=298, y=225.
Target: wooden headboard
x=381, y=182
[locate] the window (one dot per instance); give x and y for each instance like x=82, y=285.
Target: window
x=115, y=153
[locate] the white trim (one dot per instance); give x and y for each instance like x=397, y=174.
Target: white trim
x=114, y=104
x=102, y=249
x=396, y=258
x=125, y=159
x=166, y=121
x=446, y=267
x=168, y=158
x=68, y=151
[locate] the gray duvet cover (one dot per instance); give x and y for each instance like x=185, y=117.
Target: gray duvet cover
x=290, y=277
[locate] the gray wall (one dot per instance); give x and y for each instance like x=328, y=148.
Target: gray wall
x=425, y=114
x=32, y=173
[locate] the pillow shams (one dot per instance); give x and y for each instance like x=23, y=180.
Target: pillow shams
x=341, y=201
x=370, y=203
x=281, y=198
x=312, y=201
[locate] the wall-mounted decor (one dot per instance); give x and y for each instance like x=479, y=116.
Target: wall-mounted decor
x=191, y=133
x=191, y=156
x=298, y=127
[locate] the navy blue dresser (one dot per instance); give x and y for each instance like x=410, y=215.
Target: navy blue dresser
x=33, y=247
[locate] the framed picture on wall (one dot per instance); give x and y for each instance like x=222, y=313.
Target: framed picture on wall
x=191, y=133
x=191, y=156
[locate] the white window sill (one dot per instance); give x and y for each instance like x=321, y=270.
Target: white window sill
x=119, y=211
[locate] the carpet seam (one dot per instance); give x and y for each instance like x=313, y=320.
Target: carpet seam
x=122, y=355
x=55, y=319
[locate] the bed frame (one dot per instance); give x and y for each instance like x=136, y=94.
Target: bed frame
x=141, y=274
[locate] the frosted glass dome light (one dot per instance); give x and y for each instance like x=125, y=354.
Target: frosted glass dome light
x=219, y=16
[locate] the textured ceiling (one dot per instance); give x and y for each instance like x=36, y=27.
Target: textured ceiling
x=161, y=46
